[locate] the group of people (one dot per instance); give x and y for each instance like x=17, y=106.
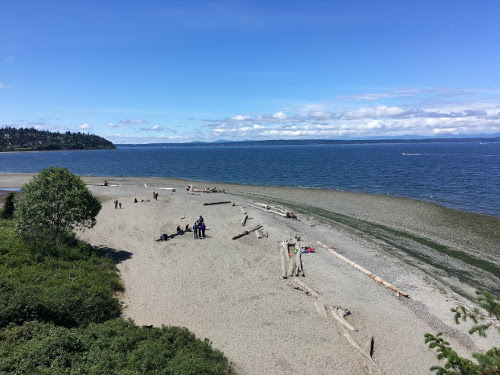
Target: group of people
x=155, y=196
x=117, y=204
x=199, y=228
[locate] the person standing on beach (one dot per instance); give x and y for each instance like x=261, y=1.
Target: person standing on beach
x=120, y=204
x=200, y=223
x=116, y=203
x=202, y=227
x=195, y=230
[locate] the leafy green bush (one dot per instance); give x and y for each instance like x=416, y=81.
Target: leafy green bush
x=7, y=211
x=113, y=347
x=68, y=284
x=53, y=204
x=58, y=316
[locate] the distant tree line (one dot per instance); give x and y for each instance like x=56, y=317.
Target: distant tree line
x=31, y=139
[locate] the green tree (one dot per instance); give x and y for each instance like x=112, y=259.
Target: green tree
x=488, y=363
x=53, y=204
x=8, y=207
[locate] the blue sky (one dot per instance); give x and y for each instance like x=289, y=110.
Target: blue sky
x=181, y=71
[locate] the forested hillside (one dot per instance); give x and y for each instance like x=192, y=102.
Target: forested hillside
x=31, y=139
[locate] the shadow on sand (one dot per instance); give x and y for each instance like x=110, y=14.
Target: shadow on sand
x=117, y=256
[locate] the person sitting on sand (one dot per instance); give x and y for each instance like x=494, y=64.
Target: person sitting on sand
x=135, y=200
x=163, y=237
x=179, y=230
x=187, y=229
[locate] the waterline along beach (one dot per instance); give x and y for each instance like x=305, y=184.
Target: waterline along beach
x=330, y=319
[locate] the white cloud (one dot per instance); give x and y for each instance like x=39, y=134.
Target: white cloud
x=376, y=111
x=240, y=117
x=84, y=126
x=320, y=115
x=279, y=115
x=113, y=125
x=2, y=85
x=156, y=128
x=133, y=122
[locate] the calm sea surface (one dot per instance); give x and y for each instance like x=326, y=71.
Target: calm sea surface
x=464, y=175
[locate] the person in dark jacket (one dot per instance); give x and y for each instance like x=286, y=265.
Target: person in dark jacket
x=195, y=230
x=202, y=227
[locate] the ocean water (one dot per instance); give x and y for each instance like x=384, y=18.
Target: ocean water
x=460, y=175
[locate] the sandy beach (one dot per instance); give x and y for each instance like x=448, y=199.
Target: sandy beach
x=233, y=293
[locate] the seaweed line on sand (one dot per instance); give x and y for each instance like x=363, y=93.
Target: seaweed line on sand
x=396, y=241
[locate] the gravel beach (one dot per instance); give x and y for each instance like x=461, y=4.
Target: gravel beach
x=233, y=291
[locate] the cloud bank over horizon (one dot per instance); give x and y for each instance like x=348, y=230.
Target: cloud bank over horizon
x=430, y=113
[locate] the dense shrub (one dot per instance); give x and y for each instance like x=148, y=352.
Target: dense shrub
x=7, y=212
x=55, y=203
x=113, y=347
x=69, y=284
x=58, y=316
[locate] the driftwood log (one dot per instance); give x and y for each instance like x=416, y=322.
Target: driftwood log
x=338, y=313
x=364, y=270
x=298, y=260
x=244, y=220
x=246, y=232
x=283, y=257
x=212, y=203
x=277, y=211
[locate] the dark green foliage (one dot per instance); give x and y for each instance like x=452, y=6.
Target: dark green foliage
x=69, y=284
x=54, y=203
x=113, y=347
x=488, y=363
x=8, y=207
x=58, y=316
x=31, y=139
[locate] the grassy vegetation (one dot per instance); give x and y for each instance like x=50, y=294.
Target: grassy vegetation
x=59, y=315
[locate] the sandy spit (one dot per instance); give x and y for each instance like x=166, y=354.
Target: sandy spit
x=233, y=292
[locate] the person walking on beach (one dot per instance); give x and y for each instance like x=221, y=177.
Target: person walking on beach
x=202, y=227
x=116, y=203
x=120, y=204
x=195, y=230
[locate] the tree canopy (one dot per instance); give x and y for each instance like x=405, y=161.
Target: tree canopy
x=31, y=139
x=53, y=204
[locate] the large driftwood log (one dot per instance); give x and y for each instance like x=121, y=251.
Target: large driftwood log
x=283, y=257
x=246, y=232
x=298, y=260
x=291, y=256
x=339, y=314
x=364, y=270
x=355, y=344
x=244, y=220
x=275, y=211
x=212, y=203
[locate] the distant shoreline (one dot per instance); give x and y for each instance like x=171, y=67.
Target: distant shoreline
x=303, y=142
